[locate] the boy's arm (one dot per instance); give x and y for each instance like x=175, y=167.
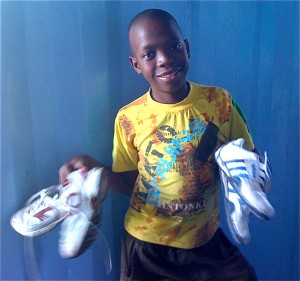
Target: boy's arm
x=122, y=182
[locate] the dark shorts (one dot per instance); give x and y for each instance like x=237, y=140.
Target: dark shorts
x=217, y=260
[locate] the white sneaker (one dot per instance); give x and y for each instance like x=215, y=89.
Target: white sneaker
x=79, y=230
x=250, y=177
x=42, y=212
x=237, y=212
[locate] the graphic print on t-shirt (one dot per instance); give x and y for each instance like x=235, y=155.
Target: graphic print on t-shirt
x=175, y=152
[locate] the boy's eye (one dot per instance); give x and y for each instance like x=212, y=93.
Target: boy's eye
x=148, y=55
x=176, y=46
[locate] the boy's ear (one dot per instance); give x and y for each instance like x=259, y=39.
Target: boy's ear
x=135, y=64
x=186, y=42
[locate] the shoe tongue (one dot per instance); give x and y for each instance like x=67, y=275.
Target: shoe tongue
x=75, y=176
x=240, y=142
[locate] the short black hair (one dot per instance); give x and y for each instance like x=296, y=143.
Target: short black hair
x=153, y=14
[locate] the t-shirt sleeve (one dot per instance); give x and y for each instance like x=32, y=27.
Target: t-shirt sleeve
x=125, y=154
x=239, y=127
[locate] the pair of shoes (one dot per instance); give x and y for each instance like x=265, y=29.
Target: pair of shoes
x=76, y=204
x=245, y=179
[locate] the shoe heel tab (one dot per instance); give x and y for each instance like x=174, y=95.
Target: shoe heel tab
x=239, y=142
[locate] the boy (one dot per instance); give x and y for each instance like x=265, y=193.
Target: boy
x=163, y=157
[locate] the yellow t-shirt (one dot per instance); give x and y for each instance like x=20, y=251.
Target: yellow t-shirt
x=176, y=196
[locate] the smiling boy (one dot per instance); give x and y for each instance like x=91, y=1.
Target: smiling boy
x=161, y=55
x=163, y=156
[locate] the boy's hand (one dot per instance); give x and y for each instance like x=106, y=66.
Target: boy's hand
x=122, y=182
x=83, y=162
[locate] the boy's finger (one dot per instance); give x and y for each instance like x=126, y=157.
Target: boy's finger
x=64, y=171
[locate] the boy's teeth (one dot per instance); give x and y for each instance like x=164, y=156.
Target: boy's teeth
x=168, y=75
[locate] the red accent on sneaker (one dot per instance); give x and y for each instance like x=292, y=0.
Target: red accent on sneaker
x=41, y=215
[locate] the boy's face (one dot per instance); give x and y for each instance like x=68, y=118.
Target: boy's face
x=162, y=55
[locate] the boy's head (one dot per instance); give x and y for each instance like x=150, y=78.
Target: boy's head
x=160, y=53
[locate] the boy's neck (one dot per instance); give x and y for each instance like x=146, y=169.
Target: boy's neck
x=171, y=98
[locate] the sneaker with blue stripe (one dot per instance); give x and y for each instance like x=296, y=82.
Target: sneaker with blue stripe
x=248, y=175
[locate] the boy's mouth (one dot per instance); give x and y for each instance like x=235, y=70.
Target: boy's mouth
x=169, y=73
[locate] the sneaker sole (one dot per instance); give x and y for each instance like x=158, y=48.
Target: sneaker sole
x=229, y=210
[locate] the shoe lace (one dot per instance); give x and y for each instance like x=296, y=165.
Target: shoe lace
x=42, y=201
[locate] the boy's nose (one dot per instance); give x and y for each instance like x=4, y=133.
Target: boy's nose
x=164, y=58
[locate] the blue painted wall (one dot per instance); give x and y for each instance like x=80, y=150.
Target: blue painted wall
x=64, y=75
